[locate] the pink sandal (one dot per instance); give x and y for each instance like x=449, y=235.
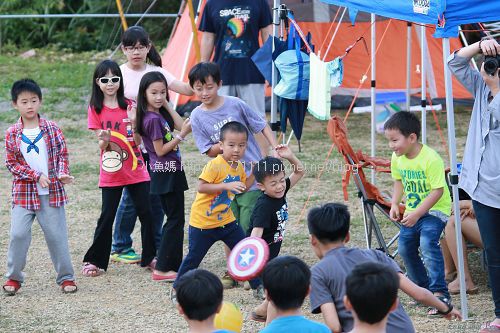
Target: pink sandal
x=91, y=270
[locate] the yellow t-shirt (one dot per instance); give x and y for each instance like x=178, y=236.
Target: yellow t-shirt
x=214, y=210
x=420, y=176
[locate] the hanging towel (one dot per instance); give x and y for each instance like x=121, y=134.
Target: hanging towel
x=319, y=90
x=336, y=69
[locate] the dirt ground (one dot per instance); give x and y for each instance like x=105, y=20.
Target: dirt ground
x=125, y=299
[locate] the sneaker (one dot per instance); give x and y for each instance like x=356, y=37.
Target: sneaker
x=246, y=285
x=259, y=293
x=127, y=256
x=173, y=297
x=228, y=282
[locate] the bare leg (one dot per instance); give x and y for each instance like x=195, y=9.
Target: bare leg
x=271, y=313
x=449, y=265
x=452, y=245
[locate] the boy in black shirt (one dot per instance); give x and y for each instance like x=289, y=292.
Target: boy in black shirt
x=270, y=214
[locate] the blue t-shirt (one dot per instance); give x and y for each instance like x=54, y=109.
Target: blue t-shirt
x=236, y=25
x=291, y=324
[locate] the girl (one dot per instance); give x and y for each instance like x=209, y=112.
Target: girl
x=156, y=121
x=142, y=58
x=112, y=118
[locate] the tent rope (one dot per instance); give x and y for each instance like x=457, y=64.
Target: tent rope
x=334, y=34
x=329, y=30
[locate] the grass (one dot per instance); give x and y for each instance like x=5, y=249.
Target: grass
x=125, y=299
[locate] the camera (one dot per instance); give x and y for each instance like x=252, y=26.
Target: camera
x=491, y=64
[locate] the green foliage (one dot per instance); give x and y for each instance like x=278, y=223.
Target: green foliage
x=79, y=34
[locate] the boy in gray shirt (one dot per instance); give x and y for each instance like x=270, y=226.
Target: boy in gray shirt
x=329, y=230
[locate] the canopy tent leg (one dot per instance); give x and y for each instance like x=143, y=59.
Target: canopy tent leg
x=274, y=74
x=454, y=177
x=373, y=92
x=423, y=83
x=408, y=64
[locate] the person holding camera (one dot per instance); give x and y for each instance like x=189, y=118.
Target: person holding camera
x=480, y=176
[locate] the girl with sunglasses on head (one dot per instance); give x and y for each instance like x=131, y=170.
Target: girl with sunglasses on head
x=112, y=117
x=142, y=58
x=156, y=121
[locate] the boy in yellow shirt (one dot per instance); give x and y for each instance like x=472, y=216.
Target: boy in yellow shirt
x=211, y=217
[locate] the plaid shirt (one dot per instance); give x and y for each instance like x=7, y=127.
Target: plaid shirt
x=24, y=190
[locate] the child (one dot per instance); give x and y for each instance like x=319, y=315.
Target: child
x=211, y=218
x=156, y=121
x=111, y=117
x=418, y=172
x=210, y=116
x=287, y=282
x=371, y=293
x=36, y=156
x=142, y=57
x=329, y=231
x=270, y=213
x=199, y=296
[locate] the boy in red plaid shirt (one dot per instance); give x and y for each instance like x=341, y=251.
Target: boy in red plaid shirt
x=36, y=156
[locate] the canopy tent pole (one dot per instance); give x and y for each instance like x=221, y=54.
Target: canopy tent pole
x=274, y=74
x=408, y=64
x=454, y=177
x=372, y=92
x=195, y=30
x=423, y=82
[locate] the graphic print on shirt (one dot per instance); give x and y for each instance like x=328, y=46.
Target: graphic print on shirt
x=120, y=148
x=415, y=185
x=113, y=157
x=169, y=137
x=215, y=136
x=234, y=43
x=282, y=216
x=32, y=144
x=223, y=199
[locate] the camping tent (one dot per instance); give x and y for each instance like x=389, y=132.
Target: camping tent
x=316, y=17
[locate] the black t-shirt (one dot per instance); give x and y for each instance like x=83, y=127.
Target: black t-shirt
x=236, y=25
x=272, y=215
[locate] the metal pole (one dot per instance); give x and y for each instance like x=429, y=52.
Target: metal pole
x=466, y=43
x=408, y=64
x=453, y=176
x=122, y=17
x=373, y=92
x=32, y=16
x=274, y=74
x=423, y=83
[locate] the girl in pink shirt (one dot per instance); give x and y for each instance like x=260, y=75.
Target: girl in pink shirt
x=112, y=117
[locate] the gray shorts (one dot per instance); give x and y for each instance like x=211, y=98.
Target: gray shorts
x=253, y=94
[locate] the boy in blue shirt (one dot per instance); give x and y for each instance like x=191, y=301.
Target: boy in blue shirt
x=287, y=283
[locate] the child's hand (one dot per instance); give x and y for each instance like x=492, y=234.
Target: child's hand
x=44, y=181
x=454, y=314
x=66, y=179
x=284, y=151
x=132, y=113
x=105, y=135
x=186, y=127
x=409, y=220
x=236, y=187
x=394, y=213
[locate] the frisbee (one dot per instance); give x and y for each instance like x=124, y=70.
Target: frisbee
x=248, y=258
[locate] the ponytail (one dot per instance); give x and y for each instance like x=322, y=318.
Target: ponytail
x=153, y=56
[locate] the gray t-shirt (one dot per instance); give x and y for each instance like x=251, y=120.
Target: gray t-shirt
x=328, y=285
x=206, y=126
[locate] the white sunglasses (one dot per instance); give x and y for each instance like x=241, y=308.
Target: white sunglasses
x=106, y=80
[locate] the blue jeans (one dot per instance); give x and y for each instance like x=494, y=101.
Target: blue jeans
x=488, y=220
x=126, y=217
x=201, y=240
x=424, y=234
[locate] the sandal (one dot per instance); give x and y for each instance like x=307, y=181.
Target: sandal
x=11, y=283
x=471, y=291
x=91, y=270
x=489, y=327
x=68, y=287
x=434, y=313
x=257, y=317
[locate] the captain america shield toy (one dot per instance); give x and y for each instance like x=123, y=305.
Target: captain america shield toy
x=248, y=258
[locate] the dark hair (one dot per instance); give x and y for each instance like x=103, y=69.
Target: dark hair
x=286, y=280
x=330, y=222
x=25, y=85
x=199, y=294
x=142, y=101
x=372, y=289
x=404, y=121
x=137, y=34
x=202, y=71
x=97, y=97
x=232, y=126
x=267, y=166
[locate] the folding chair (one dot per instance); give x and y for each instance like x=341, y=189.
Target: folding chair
x=368, y=193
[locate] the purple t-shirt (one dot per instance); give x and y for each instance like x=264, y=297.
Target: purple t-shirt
x=156, y=127
x=207, y=124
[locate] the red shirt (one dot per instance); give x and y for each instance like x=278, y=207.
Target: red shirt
x=121, y=163
x=24, y=191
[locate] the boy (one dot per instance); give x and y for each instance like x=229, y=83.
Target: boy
x=270, y=214
x=211, y=218
x=286, y=282
x=199, y=296
x=329, y=231
x=210, y=116
x=418, y=172
x=371, y=293
x=36, y=156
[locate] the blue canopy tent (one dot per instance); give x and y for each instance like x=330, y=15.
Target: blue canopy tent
x=446, y=15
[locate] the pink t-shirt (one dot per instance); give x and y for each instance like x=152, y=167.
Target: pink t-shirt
x=121, y=163
x=132, y=78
